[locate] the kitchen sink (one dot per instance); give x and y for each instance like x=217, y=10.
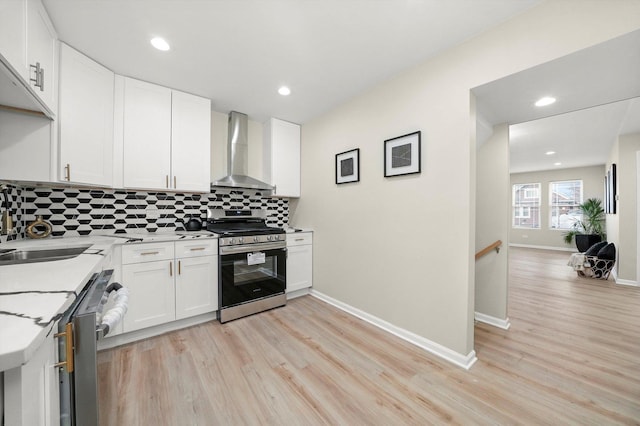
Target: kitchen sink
x=17, y=256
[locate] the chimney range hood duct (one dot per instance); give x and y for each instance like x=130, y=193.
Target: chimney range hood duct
x=238, y=158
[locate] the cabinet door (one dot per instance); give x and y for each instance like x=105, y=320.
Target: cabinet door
x=190, y=142
x=196, y=286
x=86, y=119
x=31, y=390
x=13, y=23
x=151, y=294
x=285, y=158
x=41, y=49
x=147, y=135
x=299, y=267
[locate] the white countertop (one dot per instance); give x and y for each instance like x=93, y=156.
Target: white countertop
x=32, y=295
x=293, y=229
x=145, y=236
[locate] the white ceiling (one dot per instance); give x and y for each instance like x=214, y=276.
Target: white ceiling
x=238, y=52
x=586, y=119
x=582, y=138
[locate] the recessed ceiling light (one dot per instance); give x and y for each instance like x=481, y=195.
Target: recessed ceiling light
x=547, y=100
x=284, y=91
x=557, y=164
x=160, y=44
x=550, y=152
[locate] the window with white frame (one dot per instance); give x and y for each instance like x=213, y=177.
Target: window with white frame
x=525, y=200
x=565, y=198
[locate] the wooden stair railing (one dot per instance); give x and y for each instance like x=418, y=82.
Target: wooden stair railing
x=494, y=246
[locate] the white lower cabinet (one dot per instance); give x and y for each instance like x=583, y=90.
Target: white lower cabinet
x=299, y=261
x=169, y=282
x=151, y=294
x=197, y=278
x=31, y=392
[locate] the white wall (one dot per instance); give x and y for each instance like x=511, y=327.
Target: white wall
x=492, y=223
x=592, y=185
x=402, y=248
x=622, y=227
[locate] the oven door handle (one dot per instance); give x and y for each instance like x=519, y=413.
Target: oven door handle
x=252, y=248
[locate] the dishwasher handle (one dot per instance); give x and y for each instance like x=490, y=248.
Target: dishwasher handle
x=113, y=316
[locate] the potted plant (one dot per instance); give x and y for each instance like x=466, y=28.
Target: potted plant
x=590, y=229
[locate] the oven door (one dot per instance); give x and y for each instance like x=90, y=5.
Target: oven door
x=253, y=275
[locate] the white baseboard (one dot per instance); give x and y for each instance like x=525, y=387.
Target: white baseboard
x=622, y=281
x=461, y=360
x=124, y=338
x=496, y=322
x=572, y=250
x=298, y=293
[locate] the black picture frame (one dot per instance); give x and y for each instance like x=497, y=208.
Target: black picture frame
x=607, y=207
x=402, y=155
x=611, y=204
x=348, y=166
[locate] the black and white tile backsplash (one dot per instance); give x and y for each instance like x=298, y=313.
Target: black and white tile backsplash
x=16, y=202
x=74, y=212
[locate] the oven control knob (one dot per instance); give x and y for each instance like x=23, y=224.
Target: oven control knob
x=269, y=237
x=256, y=239
x=240, y=240
x=232, y=241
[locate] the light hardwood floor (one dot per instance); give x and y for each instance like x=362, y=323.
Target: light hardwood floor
x=572, y=356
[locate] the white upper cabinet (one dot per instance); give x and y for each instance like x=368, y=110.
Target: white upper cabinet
x=166, y=138
x=147, y=135
x=29, y=53
x=282, y=157
x=86, y=120
x=13, y=33
x=41, y=53
x=190, y=142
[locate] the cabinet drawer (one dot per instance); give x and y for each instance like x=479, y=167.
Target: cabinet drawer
x=299, y=239
x=197, y=247
x=146, y=252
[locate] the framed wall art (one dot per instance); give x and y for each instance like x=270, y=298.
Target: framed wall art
x=348, y=166
x=610, y=201
x=402, y=155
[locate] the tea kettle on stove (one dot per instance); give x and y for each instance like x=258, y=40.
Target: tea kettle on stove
x=193, y=224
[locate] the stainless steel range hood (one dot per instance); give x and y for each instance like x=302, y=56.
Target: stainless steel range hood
x=238, y=158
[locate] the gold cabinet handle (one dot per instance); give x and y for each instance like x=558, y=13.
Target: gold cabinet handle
x=167, y=181
x=67, y=172
x=197, y=249
x=170, y=269
x=175, y=182
x=68, y=337
x=179, y=267
x=147, y=253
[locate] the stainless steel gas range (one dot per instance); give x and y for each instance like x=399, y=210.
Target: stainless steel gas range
x=253, y=262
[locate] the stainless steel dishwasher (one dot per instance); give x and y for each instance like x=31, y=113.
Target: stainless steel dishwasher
x=80, y=327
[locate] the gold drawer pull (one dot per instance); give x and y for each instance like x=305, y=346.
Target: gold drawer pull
x=170, y=269
x=147, y=253
x=198, y=249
